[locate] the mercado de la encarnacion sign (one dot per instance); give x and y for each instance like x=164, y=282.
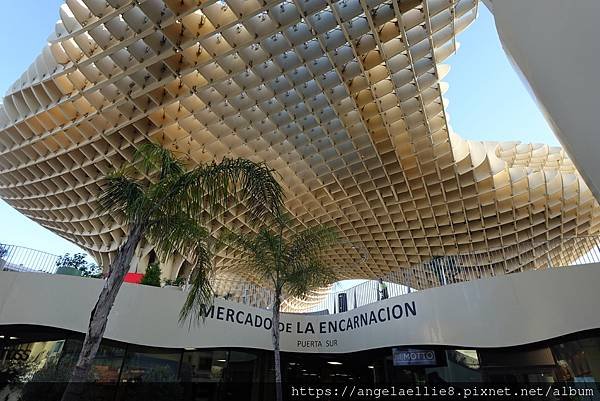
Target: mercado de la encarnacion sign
x=343, y=323
x=484, y=313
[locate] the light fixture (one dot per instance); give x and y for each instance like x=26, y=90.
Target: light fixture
x=221, y=360
x=334, y=363
x=371, y=367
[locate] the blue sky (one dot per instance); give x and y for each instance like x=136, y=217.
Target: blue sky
x=487, y=99
x=24, y=27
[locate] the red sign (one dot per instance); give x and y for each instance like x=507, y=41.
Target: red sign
x=134, y=278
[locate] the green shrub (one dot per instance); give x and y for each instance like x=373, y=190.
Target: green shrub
x=3, y=250
x=78, y=263
x=152, y=275
x=178, y=282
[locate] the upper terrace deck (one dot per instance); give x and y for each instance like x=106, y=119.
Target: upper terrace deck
x=515, y=309
x=440, y=271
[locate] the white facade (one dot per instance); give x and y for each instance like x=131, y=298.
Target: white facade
x=554, y=45
x=518, y=309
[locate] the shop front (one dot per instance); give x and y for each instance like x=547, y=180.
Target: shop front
x=36, y=361
x=531, y=327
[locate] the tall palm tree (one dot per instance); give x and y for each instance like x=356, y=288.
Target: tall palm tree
x=293, y=264
x=167, y=203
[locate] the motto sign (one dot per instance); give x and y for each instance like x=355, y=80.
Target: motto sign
x=412, y=357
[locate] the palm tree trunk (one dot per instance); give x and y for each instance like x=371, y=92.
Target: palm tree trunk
x=275, y=337
x=99, y=315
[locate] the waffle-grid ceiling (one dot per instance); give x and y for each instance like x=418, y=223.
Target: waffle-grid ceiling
x=342, y=98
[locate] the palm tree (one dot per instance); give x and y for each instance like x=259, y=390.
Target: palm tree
x=166, y=203
x=293, y=266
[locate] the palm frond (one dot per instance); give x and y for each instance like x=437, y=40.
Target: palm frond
x=305, y=269
x=173, y=204
x=201, y=294
x=216, y=185
x=154, y=158
x=296, y=266
x=256, y=252
x=175, y=233
x=123, y=194
x=168, y=195
x=311, y=241
x=302, y=277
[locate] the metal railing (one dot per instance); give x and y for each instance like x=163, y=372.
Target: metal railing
x=438, y=271
x=243, y=292
x=451, y=269
x=22, y=259
x=365, y=293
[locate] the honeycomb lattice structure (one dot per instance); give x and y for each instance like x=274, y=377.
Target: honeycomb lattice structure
x=343, y=98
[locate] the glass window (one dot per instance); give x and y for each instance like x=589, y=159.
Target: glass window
x=462, y=366
x=578, y=360
x=30, y=370
x=241, y=376
x=202, y=373
x=203, y=366
x=106, y=366
x=25, y=361
x=150, y=365
x=241, y=366
x=518, y=365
